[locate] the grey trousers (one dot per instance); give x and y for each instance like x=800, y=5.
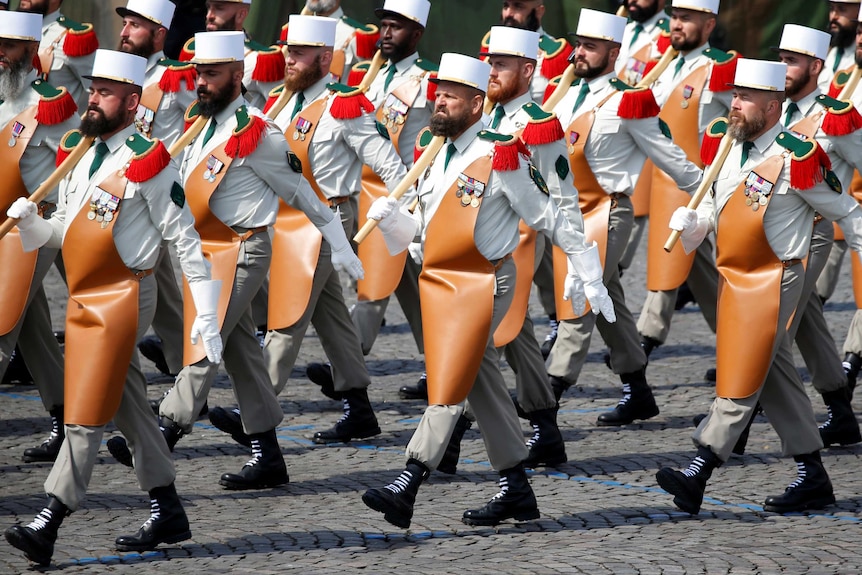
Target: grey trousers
x=34, y=335
x=489, y=402
x=853, y=342
x=638, y=229
x=168, y=321
x=71, y=472
x=544, y=275
x=782, y=395
x=243, y=359
x=573, y=341
x=832, y=270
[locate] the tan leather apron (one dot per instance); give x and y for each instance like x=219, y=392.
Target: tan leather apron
x=525, y=266
x=101, y=316
x=219, y=244
x=382, y=270
x=594, y=201
x=749, y=292
x=668, y=270
x=296, y=241
x=18, y=266
x=456, y=295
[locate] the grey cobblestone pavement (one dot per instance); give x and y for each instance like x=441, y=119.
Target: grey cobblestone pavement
x=602, y=512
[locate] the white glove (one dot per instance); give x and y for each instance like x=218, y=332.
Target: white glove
x=398, y=226
x=588, y=267
x=343, y=256
x=205, y=295
x=415, y=251
x=692, y=228
x=574, y=291
x=384, y=210
x=35, y=232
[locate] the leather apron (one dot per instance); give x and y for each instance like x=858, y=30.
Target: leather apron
x=456, y=295
x=101, y=316
x=749, y=292
x=382, y=271
x=219, y=244
x=668, y=271
x=855, y=191
x=594, y=202
x=296, y=241
x=18, y=266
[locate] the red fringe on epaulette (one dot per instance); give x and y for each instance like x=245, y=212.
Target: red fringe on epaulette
x=172, y=80
x=350, y=107
x=245, y=143
x=269, y=67
x=56, y=110
x=721, y=78
x=709, y=148
x=431, y=94
x=270, y=102
x=549, y=89
x=145, y=168
x=638, y=104
x=540, y=133
x=282, y=36
x=354, y=78
x=506, y=156
x=185, y=55
x=807, y=173
x=834, y=89
x=662, y=43
x=649, y=66
x=841, y=124
x=77, y=44
x=366, y=43
x=553, y=67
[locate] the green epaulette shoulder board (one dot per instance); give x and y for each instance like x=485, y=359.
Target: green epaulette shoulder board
x=486, y=39
x=175, y=64
x=424, y=138
x=427, y=65
x=536, y=113
x=258, y=47
x=551, y=46
x=140, y=145
x=663, y=24
x=798, y=147
x=70, y=139
x=45, y=90
x=620, y=86
x=343, y=89
x=70, y=24
x=718, y=56
x=243, y=119
x=490, y=136
x=151, y=157
x=192, y=112
x=717, y=128
x=833, y=104
x=276, y=92
x=358, y=25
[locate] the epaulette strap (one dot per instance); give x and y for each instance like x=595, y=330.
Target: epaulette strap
x=422, y=140
x=188, y=50
x=427, y=65
x=246, y=136
x=711, y=139
x=80, y=39
x=841, y=118
x=809, y=163
x=838, y=82
x=507, y=150
x=349, y=102
x=555, y=56
x=55, y=106
x=723, y=69
x=636, y=103
x=192, y=113
x=543, y=127
x=68, y=143
x=151, y=157
x=272, y=97
x=176, y=74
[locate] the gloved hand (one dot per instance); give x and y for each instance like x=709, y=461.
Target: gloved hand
x=415, y=251
x=398, y=227
x=34, y=231
x=692, y=228
x=205, y=295
x=384, y=210
x=343, y=257
x=588, y=267
x=574, y=291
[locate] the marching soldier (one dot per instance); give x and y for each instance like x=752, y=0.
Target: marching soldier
x=645, y=39
x=114, y=210
x=842, y=29
x=761, y=208
x=169, y=89
x=611, y=130
x=470, y=203
x=34, y=118
x=66, y=50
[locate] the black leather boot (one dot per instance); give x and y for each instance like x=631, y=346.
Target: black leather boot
x=230, y=421
x=852, y=364
x=151, y=348
x=358, y=421
x=559, y=385
x=418, y=391
x=449, y=463
x=37, y=538
x=167, y=523
x=811, y=490
x=841, y=428
x=688, y=486
x=50, y=447
x=515, y=500
x=551, y=338
x=648, y=344
x=119, y=448
x=395, y=501
x=321, y=374
x=637, y=402
x=17, y=371
x=266, y=467
x=546, y=446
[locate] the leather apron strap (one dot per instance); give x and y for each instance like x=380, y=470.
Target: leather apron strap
x=151, y=99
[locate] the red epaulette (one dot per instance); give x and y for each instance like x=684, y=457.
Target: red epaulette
x=552, y=85
x=723, y=69
x=431, y=92
x=366, y=41
x=272, y=98
x=555, y=56
x=841, y=118
x=68, y=143
x=358, y=72
x=349, y=102
x=80, y=39
x=508, y=150
x=636, y=103
x=662, y=43
x=711, y=139
x=246, y=136
x=543, y=127
x=809, y=163
x=838, y=82
x=270, y=63
x=151, y=157
x=422, y=140
x=192, y=113
x=188, y=50
x=175, y=74
x=55, y=106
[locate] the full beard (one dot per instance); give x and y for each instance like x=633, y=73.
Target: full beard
x=500, y=93
x=532, y=22
x=145, y=49
x=216, y=101
x=305, y=78
x=641, y=15
x=842, y=37
x=743, y=129
x=796, y=85
x=99, y=125
x=685, y=44
x=584, y=70
x=12, y=79
x=447, y=126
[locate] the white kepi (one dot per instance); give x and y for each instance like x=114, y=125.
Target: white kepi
x=160, y=12
x=760, y=75
x=708, y=6
x=510, y=41
x=21, y=26
x=416, y=10
x=219, y=47
x=804, y=40
x=310, y=31
x=119, y=67
x=601, y=25
x=463, y=70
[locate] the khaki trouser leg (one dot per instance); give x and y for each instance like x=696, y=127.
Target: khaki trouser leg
x=829, y=276
x=544, y=274
x=853, y=342
x=638, y=228
x=531, y=379
x=168, y=321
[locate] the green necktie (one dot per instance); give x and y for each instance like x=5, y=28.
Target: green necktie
x=637, y=32
x=210, y=131
x=582, y=95
x=792, y=108
x=839, y=53
x=389, y=76
x=101, y=152
x=450, y=151
x=680, y=62
x=746, y=148
x=300, y=100
x=499, y=112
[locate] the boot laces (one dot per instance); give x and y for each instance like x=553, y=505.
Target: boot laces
x=627, y=394
x=346, y=413
x=800, y=473
x=504, y=489
x=155, y=512
x=256, y=453
x=552, y=335
x=41, y=520
x=401, y=482
x=535, y=439
x=826, y=424
x=55, y=431
x=695, y=467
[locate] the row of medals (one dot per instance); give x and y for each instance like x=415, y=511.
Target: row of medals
x=469, y=190
x=756, y=194
x=103, y=207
